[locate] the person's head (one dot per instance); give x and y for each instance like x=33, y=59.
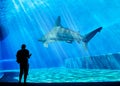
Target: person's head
x=23, y=46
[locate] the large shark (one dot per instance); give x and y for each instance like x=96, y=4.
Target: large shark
x=59, y=33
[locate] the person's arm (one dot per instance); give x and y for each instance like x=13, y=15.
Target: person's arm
x=28, y=55
x=18, y=57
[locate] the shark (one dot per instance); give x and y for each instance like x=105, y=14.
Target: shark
x=60, y=33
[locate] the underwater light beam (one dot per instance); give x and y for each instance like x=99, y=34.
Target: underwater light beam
x=16, y=6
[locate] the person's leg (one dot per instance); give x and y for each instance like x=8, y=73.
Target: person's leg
x=21, y=73
x=26, y=72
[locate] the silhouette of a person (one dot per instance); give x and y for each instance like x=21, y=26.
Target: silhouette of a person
x=22, y=58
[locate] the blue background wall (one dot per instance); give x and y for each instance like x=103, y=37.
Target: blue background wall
x=25, y=21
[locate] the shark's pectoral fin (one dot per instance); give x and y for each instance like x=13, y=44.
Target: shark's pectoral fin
x=45, y=44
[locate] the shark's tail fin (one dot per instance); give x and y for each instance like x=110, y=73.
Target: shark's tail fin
x=89, y=36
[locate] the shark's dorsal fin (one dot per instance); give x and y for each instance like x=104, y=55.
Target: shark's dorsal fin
x=58, y=21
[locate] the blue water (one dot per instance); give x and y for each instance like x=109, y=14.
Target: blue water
x=25, y=21
x=63, y=75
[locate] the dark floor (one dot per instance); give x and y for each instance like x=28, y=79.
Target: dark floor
x=63, y=84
